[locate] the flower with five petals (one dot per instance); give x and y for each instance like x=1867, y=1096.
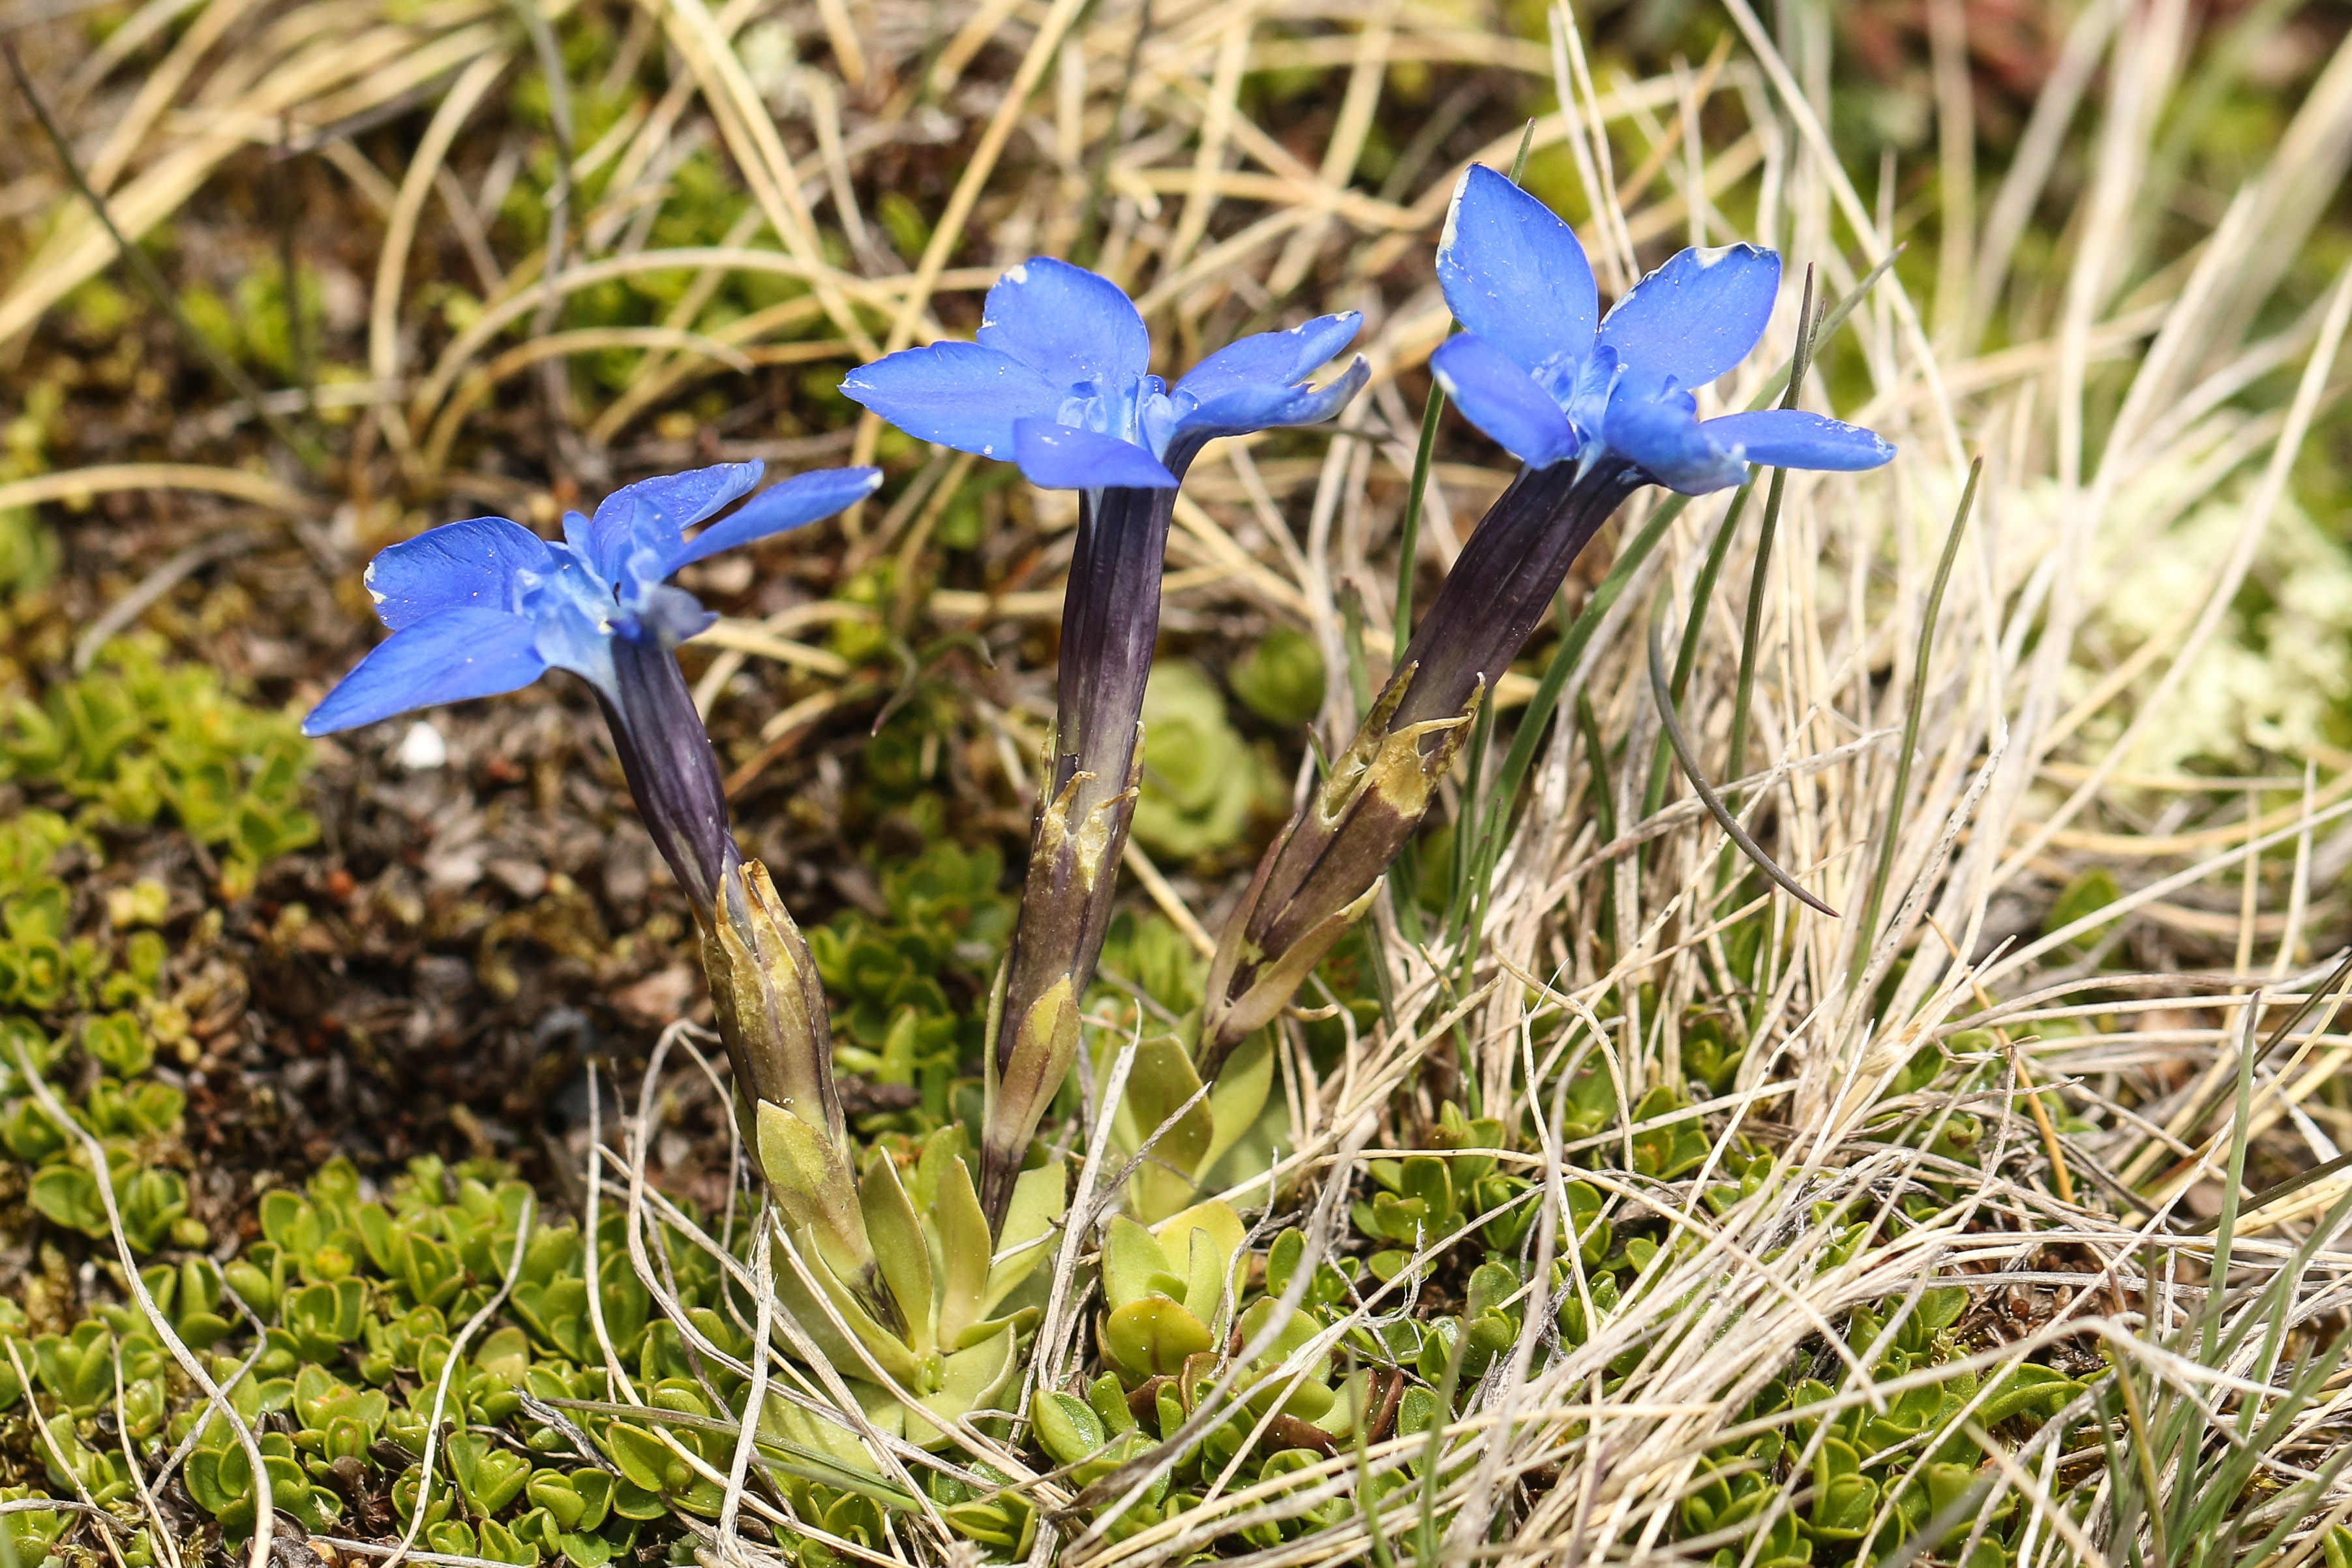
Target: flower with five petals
x=1059, y=381
x=1535, y=372
x=485, y=605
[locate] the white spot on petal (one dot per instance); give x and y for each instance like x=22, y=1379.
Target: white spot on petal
x=1018, y=274
x=1452, y=216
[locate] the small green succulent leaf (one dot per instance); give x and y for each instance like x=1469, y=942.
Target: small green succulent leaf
x=1068, y=1427
x=1222, y=1228
x=1242, y=1083
x=1151, y=1336
x=972, y=1379
x=491, y=1477
x=1134, y=1266
x=1161, y=1086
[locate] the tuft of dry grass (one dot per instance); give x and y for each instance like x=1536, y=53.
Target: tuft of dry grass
x=2138, y=384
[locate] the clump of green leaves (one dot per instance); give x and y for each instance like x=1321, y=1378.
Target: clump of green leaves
x=1872, y=1478
x=142, y=735
x=1423, y=1200
x=905, y=989
x=1203, y=781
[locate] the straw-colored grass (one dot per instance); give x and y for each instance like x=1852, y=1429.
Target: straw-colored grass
x=2140, y=384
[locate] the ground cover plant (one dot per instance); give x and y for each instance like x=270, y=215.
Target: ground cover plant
x=1719, y=939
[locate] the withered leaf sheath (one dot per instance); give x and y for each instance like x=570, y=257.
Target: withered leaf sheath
x=1111, y=620
x=1318, y=877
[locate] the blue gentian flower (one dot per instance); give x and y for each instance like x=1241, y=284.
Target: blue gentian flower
x=1060, y=382
x=1533, y=372
x=485, y=605
x=1595, y=408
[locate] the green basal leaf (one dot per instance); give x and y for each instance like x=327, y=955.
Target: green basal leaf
x=900, y=1250
x=1151, y=1336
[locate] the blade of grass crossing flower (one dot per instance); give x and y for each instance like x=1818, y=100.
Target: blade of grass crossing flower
x=1752, y=631
x=1519, y=158
x=1672, y=725
x=1687, y=657
x=1832, y=318
x=1409, y=534
x=1867, y=932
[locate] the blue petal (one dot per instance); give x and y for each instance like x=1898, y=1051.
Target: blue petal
x=1066, y=324
x=1696, y=317
x=652, y=513
x=472, y=562
x=1792, y=439
x=1262, y=406
x=1664, y=439
x=801, y=500
x=1501, y=398
x=1062, y=457
x=1514, y=273
x=1270, y=359
x=446, y=657
x=958, y=395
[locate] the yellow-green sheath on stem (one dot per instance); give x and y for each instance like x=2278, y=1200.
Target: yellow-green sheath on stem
x=1318, y=877
x=1111, y=620
x=770, y=1012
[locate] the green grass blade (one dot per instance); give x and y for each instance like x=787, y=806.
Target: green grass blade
x=1687, y=657
x=1673, y=726
x=1409, y=534
x=1867, y=932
